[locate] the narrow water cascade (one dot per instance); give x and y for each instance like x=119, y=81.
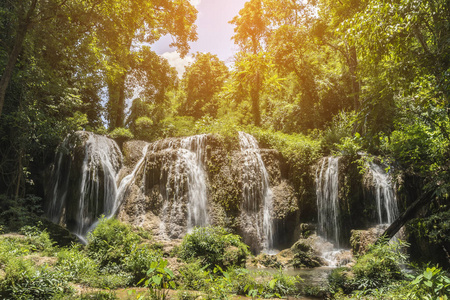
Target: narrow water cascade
x=387, y=210
x=327, y=191
x=128, y=180
x=256, y=191
x=184, y=182
x=81, y=196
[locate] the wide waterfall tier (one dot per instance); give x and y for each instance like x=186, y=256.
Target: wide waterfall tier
x=386, y=202
x=170, y=186
x=83, y=184
x=327, y=192
x=257, y=194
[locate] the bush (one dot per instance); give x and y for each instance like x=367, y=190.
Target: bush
x=139, y=261
x=111, y=242
x=433, y=283
x=25, y=281
x=76, y=266
x=38, y=239
x=121, y=133
x=380, y=266
x=16, y=213
x=214, y=246
x=193, y=276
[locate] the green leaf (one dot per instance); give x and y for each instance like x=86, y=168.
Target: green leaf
x=272, y=283
x=428, y=283
x=157, y=279
x=428, y=274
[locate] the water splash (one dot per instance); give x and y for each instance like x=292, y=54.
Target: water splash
x=256, y=190
x=387, y=210
x=327, y=191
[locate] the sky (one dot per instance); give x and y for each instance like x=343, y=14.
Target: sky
x=213, y=30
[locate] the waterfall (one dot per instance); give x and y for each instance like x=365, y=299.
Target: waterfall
x=80, y=198
x=327, y=191
x=128, y=180
x=386, y=202
x=184, y=182
x=256, y=191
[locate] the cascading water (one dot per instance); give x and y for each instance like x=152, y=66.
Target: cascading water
x=81, y=198
x=386, y=202
x=327, y=191
x=184, y=182
x=127, y=181
x=256, y=191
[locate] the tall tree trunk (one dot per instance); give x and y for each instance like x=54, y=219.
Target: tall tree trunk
x=120, y=116
x=255, y=90
x=116, y=102
x=24, y=23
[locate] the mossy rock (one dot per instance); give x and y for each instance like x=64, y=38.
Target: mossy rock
x=60, y=235
x=301, y=246
x=269, y=261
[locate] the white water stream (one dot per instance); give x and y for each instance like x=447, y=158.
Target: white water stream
x=327, y=192
x=386, y=202
x=256, y=191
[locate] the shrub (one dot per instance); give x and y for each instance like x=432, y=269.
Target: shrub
x=121, y=133
x=25, y=281
x=281, y=285
x=38, y=239
x=16, y=213
x=111, y=242
x=76, y=266
x=378, y=267
x=433, y=283
x=193, y=276
x=214, y=246
x=139, y=261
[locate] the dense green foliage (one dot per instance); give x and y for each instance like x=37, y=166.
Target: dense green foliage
x=214, y=246
x=311, y=78
x=32, y=267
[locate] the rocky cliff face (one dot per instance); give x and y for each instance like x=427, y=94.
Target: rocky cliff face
x=163, y=192
x=172, y=185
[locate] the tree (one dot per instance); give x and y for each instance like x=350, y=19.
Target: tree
x=154, y=77
x=202, y=80
x=43, y=101
x=250, y=31
x=23, y=14
x=123, y=26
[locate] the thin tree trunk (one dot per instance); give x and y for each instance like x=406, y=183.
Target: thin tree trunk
x=120, y=113
x=255, y=99
x=405, y=217
x=14, y=55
